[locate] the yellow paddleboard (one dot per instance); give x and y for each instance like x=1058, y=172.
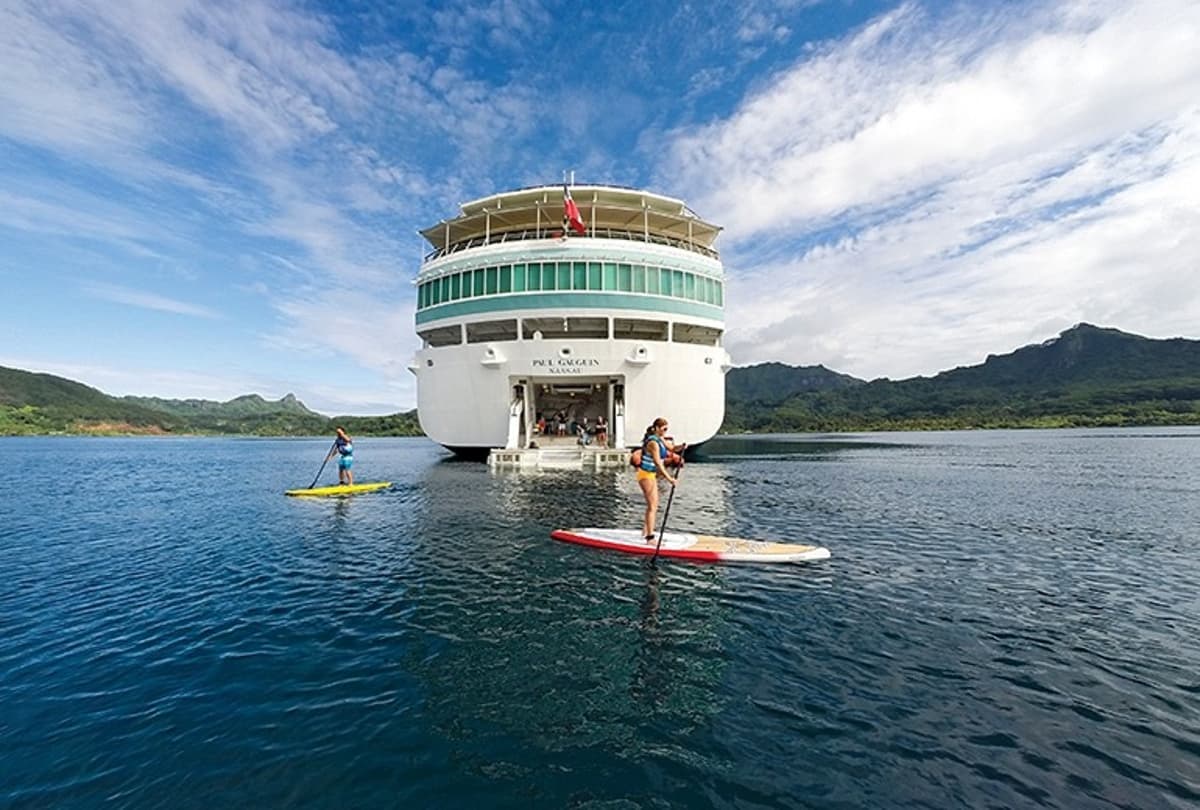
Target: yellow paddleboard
x=340, y=489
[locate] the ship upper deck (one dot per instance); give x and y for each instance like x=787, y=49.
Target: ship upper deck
x=608, y=212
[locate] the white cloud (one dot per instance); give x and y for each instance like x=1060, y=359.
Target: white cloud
x=927, y=191
x=147, y=300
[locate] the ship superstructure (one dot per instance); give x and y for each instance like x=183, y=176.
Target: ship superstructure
x=534, y=328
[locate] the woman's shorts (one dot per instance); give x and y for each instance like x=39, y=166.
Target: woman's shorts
x=646, y=475
x=345, y=462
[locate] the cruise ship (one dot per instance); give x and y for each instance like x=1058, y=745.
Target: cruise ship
x=544, y=310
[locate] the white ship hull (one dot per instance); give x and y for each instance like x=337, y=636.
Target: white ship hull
x=617, y=329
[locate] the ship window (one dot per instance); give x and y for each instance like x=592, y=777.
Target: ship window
x=535, y=277
x=488, y=331
x=548, y=276
x=422, y=294
x=677, y=289
x=564, y=275
x=579, y=273
x=610, y=276
x=666, y=282
x=690, y=286
x=720, y=299
x=437, y=291
x=505, y=278
x=548, y=328
x=694, y=333
x=490, y=275
x=635, y=329
x=518, y=278
x=652, y=280
x=455, y=287
x=442, y=336
x=594, y=276
x=587, y=328
x=624, y=277
x=477, y=282
x=639, y=278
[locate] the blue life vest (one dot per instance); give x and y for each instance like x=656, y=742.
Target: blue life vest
x=647, y=459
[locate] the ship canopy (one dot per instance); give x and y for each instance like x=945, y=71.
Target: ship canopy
x=604, y=209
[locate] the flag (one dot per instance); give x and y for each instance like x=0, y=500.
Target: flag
x=571, y=215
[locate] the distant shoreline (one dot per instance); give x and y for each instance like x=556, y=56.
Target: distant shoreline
x=914, y=426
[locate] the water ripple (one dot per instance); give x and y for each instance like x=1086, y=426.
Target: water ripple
x=1009, y=619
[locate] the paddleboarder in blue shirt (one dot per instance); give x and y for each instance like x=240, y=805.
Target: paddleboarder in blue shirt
x=343, y=448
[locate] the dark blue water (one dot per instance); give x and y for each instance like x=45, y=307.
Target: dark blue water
x=1010, y=619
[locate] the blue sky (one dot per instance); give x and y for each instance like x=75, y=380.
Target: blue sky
x=207, y=199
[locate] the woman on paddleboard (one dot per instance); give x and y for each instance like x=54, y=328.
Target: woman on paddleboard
x=343, y=448
x=655, y=452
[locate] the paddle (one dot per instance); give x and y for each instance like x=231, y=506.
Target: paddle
x=323, y=463
x=663, y=528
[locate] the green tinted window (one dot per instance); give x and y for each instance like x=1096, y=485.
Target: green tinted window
x=518, y=275
x=624, y=277
x=666, y=282
x=421, y=296
x=677, y=283
x=492, y=282
x=436, y=291
x=456, y=286
x=652, y=280
x=477, y=281
x=594, y=276
x=548, y=276
x=506, y=278
x=610, y=276
x=445, y=288
x=564, y=275
x=689, y=282
x=534, y=281
x=720, y=295
x=579, y=276
x=639, y=278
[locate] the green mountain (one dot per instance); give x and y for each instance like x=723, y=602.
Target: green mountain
x=43, y=403
x=248, y=405
x=773, y=383
x=1085, y=376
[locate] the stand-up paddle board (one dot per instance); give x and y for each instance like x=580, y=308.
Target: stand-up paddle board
x=684, y=546
x=340, y=489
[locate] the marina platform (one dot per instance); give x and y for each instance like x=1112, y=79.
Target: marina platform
x=558, y=453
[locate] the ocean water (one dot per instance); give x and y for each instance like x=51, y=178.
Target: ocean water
x=1009, y=619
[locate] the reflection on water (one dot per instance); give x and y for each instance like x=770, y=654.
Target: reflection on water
x=1009, y=619
x=802, y=446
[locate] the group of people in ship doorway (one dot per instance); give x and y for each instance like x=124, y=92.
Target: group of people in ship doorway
x=586, y=431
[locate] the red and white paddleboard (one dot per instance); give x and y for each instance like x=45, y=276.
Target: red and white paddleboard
x=685, y=546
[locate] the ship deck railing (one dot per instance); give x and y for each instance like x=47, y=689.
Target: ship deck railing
x=557, y=233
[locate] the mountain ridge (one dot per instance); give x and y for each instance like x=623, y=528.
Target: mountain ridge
x=1086, y=375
